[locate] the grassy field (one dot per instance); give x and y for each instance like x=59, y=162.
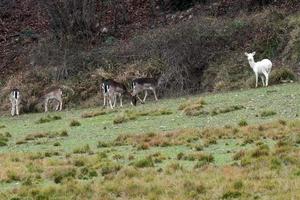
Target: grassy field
x=242, y=144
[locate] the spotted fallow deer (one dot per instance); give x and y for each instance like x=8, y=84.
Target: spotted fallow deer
x=55, y=93
x=15, y=100
x=143, y=84
x=111, y=90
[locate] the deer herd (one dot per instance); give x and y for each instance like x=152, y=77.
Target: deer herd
x=112, y=90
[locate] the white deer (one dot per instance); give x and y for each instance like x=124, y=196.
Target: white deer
x=262, y=68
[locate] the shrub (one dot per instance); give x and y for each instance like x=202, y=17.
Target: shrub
x=180, y=156
x=79, y=162
x=281, y=75
x=238, y=155
x=144, y=162
x=199, y=156
x=103, y=144
x=121, y=118
x=7, y=134
x=275, y=163
x=48, y=118
x=110, y=167
x=192, y=189
x=200, y=164
x=231, y=195
x=238, y=185
x=93, y=114
x=282, y=122
x=227, y=109
x=199, y=147
x=243, y=123
x=143, y=146
x=34, y=136
x=3, y=139
x=64, y=133
x=13, y=176
x=56, y=144
x=261, y=150
x=74, y=123
x=84, y=149
x=267, y=113
x=210, y=141
x=60, y=174
x=192, y=107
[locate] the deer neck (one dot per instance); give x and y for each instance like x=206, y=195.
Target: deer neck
x=252, y=64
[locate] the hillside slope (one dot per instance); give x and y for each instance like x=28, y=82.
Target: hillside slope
x=80, y=42
x=238, y=139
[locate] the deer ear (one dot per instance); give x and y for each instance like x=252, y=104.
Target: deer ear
x=246, y=54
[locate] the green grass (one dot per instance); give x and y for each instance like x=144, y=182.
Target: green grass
x=284, y=100
x=156, y=136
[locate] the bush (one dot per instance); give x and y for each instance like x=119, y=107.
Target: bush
x=282, y=75
x=56, y=144
x=3, y=139
x=60, y=175
x=93, y=114
x=48, y=118
x=110, y=167
x=261, y=150
x=84, y=149
x=267, y=113
x=144, y=162
x=103, y=144
x=243, y=123
x=231, y=195
x=74, y=123
x=64, y=133
x=121, y=118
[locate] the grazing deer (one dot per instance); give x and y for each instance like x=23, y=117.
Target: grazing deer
x=111, y=90
x=15, y=100
x=143, y=84
x=55, y=93
x=262, y=68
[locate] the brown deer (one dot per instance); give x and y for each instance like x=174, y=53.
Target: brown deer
x=55, y=93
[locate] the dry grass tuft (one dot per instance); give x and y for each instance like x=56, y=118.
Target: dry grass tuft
x=193, y=107
x=74, y=123
x=93, y=114
x=129, y=115
x=48, y=118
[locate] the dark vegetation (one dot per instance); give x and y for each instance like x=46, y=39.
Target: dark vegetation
x=187, y=43
x=48, y=118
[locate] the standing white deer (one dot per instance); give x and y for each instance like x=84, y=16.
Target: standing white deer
x=262, y=68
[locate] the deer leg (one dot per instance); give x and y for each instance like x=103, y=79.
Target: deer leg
x=140, y=99
x=17, y=107
x=267, y=79
x=110, y=103
x=115, y=100
x=60, y=104
x=146, y=94
x=104, y=100
x=12, y=108
x=57, y=105
x=121, y=103
x=262, y=80
x=154, y=92
x=256, y=80
x=46, y=105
